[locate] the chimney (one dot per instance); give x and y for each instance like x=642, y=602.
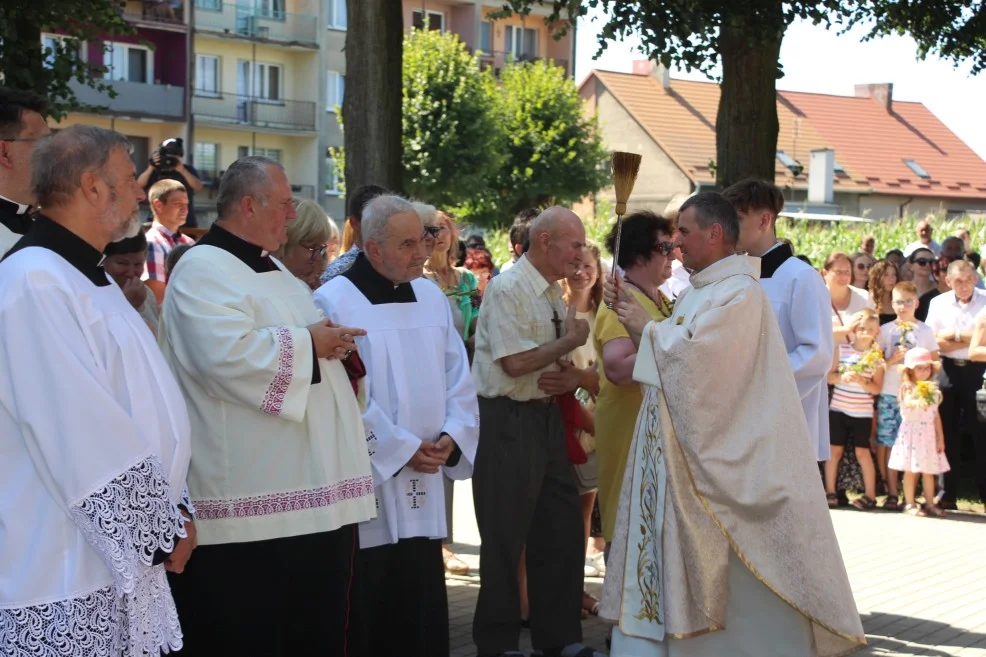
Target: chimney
x=650, y=67
x=881, y=93
x=821, y=172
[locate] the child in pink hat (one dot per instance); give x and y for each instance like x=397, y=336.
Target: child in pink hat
x=920, y=446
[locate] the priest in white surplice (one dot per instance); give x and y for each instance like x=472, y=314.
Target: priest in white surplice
x=280, y=472
x=800, y=300
x=723, y=541
x=22, y=124
x=94, y=435
x=422, y=425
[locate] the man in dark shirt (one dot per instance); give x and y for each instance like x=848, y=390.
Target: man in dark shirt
x=186, y=174
x=22, y=124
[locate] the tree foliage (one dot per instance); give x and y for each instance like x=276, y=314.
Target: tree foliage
x=451, y=145
x=47, y=71
x=553, y=150
x=953, y=30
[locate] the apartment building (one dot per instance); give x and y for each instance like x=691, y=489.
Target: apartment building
x=149, y=73
x=249, y=77
x=495, y=40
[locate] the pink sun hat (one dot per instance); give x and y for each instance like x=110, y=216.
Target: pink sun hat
x=918, y=356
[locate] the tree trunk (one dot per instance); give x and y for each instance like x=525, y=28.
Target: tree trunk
x=22, y=54
x=746, y=124
x=371, y=108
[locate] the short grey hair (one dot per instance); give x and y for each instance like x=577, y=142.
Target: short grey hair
x=248, y=176
x=376, y=213
x=427, y=213
x=712, y=208
x=59, y=160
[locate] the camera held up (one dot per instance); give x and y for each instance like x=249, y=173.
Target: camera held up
x=168, y=154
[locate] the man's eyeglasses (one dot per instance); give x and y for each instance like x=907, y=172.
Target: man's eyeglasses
x=21, y=139
x=432, y=231
x=924, y=262
x=664, y=248
x=904, y=303
x=315, y=252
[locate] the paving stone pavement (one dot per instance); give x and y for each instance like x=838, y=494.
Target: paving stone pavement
x=920, y=583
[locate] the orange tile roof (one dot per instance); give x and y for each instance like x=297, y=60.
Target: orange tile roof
x=870, y=144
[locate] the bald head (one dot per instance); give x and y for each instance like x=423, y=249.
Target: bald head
x=557, y=238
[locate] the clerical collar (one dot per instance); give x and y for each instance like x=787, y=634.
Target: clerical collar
x=15, y=216
x=251, y=255
x=772, y=260
x=376, y=287
x=50, y=235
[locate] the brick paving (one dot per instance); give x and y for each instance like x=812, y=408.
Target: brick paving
x=920, y=583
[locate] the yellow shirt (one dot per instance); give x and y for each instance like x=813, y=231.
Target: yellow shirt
x=616, y=412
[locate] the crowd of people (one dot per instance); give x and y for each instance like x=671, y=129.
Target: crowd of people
x=248, y=443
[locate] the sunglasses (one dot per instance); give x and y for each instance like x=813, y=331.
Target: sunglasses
x=315, y=252
x=924, y=262
x=664, y=248
x=862, y=265
x=432, y=231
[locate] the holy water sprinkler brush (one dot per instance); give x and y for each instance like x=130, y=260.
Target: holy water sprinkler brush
x=626, y=166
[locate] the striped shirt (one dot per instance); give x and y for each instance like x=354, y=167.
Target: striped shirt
x=851, y=398
x=160, y=241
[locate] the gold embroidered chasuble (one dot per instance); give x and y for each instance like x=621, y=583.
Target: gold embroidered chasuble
x=721, y=461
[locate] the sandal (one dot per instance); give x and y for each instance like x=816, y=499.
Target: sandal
x=864, y=503
x=454, y=565
x=590, y=604
x=934, y=511
x=832, y=499
x=892, y=503
x=913, y=510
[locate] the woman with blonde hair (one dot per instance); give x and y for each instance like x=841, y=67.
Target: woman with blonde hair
x=313, y=242
x=883, y=277
x=458, y=283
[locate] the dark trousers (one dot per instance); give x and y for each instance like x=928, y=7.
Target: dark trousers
x=525, y=493
x=403, y=605
x=958, y=412
x=278, y=598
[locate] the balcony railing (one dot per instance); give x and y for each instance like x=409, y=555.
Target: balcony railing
x=157, y=11
x=262, y=22
x=211, y=181
x=292, y=115
x=162, y=101
x=497, y=59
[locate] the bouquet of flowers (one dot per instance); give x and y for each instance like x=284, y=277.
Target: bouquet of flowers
x=905, y=335
x=923, y=394
x=864, y=365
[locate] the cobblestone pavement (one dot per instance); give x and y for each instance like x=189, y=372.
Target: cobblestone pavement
x=920, y=583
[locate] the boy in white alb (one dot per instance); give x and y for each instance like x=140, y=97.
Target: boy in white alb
x=896, y=337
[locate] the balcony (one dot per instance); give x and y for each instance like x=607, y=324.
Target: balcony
x=262, y=22
x=136, y=99
x=232, y=109
x=168, y=12
x=497, y=59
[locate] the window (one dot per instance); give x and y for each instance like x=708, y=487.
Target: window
x=270, y=8
x=332, y=176
x=207, y=75
x=486, y=37
x=50, y=43
x=259, y=80
x=336, y=90
x=785, y=159
x=338, y=18
x=436, y=20
x=272, y=153
x=206, y=157
x=210, y=5
x=838, y=169
x=917, y=169
x=141, y=151
x=521, y=42
x=130, y=62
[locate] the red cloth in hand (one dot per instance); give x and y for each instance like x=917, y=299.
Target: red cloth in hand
x=355, y=370
x=571, y=414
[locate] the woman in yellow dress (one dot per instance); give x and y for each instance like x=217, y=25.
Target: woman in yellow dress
x=645, y=258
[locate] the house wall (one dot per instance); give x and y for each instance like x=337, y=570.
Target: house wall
x=299, y=67
x=334, y=57
x=882, y=206
x=660, y=178
x=297, y=153
x=170, y=53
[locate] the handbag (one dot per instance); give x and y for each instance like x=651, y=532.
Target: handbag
x=588, y=473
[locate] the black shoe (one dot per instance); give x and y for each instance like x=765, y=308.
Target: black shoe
x=946, y=505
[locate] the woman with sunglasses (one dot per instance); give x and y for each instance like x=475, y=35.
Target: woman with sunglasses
x=861, y=264
x=646, y=254
x=313, y=242
x=923, y=266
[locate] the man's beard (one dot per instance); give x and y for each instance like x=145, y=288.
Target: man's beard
x=122, y=228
